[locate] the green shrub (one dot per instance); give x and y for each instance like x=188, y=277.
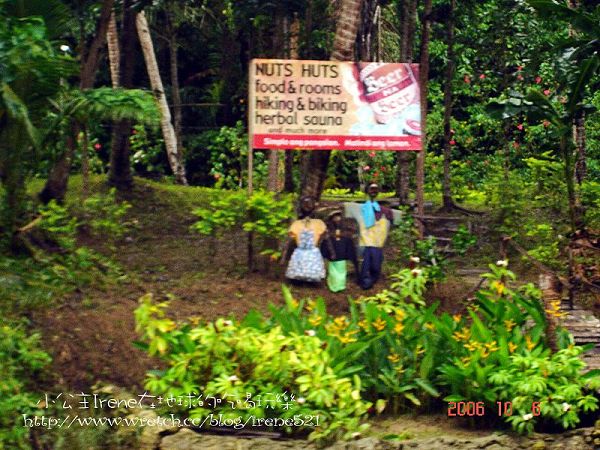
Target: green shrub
x=230, y=361
x=261, y=213
x=103, y=215
x=463, y=240
x=387, y=340
x=60, y=265
x=499, y=354
x=21, y=360
x=401, y=354
x=546, y=389
x=590, y=198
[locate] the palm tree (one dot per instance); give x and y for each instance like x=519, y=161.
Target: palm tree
x=343, y=50
x=157, y=86
x=120, y=168
x=56, y=184
x=31, y=75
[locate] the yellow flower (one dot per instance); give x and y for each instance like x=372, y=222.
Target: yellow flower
x=509, y=324
x=195, y=320
x=400, y=314
x=499, y=286
x=528, y=343
x=471, y=346
x=491, y=346
x=315, y=320
x=555, y=309
x=462, y=335
x=346, y=339
x=340, y=322
x=310, y=305
x=294, y=303
x=457, y=317
x=364, y=325
x=429, y=326
x=394, y=357
x=465, y=360
x=379, y=324
x=512, y=347
x=400, y=369
x=398, y=328
x=484, y=353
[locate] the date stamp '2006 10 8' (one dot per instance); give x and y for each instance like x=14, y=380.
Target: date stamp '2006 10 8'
x=477, y=409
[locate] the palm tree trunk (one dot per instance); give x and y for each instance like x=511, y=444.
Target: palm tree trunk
x=404, y=159
x=579, y=122
x=569, y=179
x=551, y=297
x=448, y=203
x=120, y=174
x=424, y=81
x=114, y=54
x=85, y=164
x=89, y=67
x=157, y=87
x=175, y=94
x=58, y=179
x=343, y=50
x=288, y=177
x=581, y=164
x=278, y=51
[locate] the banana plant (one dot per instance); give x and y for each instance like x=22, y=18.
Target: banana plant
x=579, y=64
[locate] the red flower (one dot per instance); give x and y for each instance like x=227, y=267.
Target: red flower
x=516, y=144
x=217, y=176
x=520, y=126
x=519, y=68
x=376, y=174
x=133, y=131
x=452, y=131
x=383, y=169
x=467, y=79
x=482, y=76
x=538, y=79
x=366, y=168
x=97, y=147
x=372, y=154
x=546, y=91
x=520, y=77
x=546, y=124
x=452, y=142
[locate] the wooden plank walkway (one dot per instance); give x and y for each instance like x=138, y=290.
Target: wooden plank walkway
x=585, y=328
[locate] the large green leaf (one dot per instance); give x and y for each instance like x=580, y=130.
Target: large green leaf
x=14, y=107
x=557, y=9
x=587, y=70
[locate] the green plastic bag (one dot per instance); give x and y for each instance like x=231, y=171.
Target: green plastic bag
x=336, y=276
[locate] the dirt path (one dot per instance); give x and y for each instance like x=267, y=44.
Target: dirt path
x=91, y=334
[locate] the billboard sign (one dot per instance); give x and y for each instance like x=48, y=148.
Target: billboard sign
x=295, y=104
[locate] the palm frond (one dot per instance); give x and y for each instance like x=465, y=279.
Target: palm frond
x=108, y=104
x=14, y=108
x=56, y=15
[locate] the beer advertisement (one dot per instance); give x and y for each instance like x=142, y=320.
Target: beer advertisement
x=295, y=104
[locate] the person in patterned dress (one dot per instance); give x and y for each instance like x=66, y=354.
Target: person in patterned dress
x=306, y=262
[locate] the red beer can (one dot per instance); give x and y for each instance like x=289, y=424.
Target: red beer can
x=388, y=88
